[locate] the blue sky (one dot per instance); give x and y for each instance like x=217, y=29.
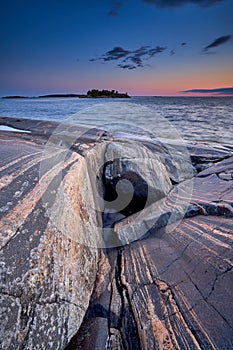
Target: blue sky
x=144, y=47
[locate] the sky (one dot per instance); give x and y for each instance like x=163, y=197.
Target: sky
x=143, y=47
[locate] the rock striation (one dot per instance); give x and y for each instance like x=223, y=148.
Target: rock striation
x=113, y=243
x=171, y=287
x=47, y=273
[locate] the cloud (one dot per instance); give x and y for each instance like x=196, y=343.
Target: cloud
x=116, y=6
x=217, y=42
x=178, y=3
x=127, y=66
x=115, y=54
x=137, y=55
x=219, y=91
x=130, y=59
x=156, y=50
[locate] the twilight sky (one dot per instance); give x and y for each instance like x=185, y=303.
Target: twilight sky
x=143, y=47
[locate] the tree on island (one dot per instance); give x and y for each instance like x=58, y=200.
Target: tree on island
x=105, y=93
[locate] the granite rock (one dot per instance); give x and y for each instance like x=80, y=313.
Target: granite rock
x=171, y=288
x=166, y=284
x=47, y=268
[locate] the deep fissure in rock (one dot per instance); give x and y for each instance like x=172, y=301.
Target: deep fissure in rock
x=129, y=331
x=123, y=199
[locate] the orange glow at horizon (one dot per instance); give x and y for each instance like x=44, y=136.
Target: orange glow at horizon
x=173, y=83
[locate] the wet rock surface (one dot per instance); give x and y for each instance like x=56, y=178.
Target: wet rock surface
x=167, y=282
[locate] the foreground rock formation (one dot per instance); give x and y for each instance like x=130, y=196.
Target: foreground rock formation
x=172, y=289
x=46, y=278
x=161, y=278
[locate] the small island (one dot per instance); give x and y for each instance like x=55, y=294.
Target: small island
x=94, y=93
x=15, y=96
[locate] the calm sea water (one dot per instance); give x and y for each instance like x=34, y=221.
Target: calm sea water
x=205, y=119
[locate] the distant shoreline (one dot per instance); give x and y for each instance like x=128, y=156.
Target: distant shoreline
x=110, y=95
x=99, y=97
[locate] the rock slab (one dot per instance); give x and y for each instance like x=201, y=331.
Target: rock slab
x=47, y=273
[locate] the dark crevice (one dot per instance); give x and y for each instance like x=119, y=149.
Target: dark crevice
x=205, y=163
x=129, y=331
x=121, y=199
x=122, y=327
x=115, y=322
x=115, y=188
x=196, y=159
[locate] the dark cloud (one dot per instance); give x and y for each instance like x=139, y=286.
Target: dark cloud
x=115, y=54
x=130, y=59
x=183, y=44
x=219, y=91
x=156, y=50
x=217, y=42
x=137, y=60
x=127, y=66
x=177, y=3
x=116, y=6
x=137, y=55
x=172, y=52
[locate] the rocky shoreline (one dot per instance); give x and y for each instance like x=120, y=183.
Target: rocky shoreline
x=161, y=278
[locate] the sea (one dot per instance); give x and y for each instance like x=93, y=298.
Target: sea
x=203, y=119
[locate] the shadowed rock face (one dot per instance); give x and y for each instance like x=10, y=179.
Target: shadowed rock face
x=135, y=164
x=168, y=288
